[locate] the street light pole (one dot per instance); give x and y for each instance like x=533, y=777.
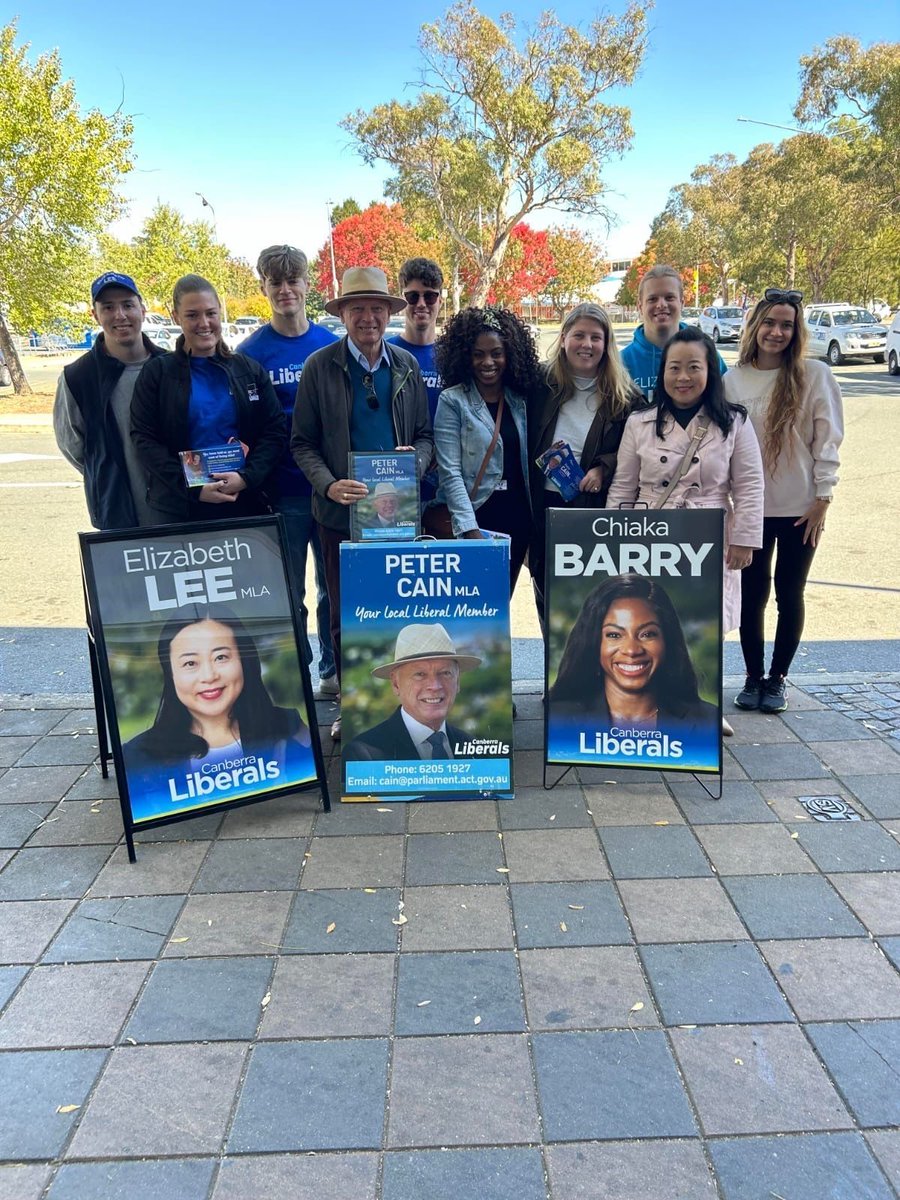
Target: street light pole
x=329, y=206
x=206, y=204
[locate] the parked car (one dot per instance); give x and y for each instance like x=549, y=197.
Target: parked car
x=162, y=335
x=247, y=324
x=841, y=331
x=335, y=324
x=395, y=326
x=893, y=346
x=722, y=324
x=691, y=316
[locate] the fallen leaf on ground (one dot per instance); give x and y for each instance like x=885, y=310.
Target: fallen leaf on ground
x=384, y=810
x=331, y=927
x=738, y=1062
x=370, y=891
x=67, y=1108
x=660, y=822
x=637, y=1007
x=503, y=870
x=564, y=927
x=266, y=998
x=177, y=941
x=401, y=920
x=576, y=907
x=423, y=1003
x=477, y=1021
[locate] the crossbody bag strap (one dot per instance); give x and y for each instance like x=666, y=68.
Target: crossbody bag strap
x=490, y=450
x=702, y=426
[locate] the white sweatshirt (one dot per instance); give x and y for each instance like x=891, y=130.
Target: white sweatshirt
x=810, y=471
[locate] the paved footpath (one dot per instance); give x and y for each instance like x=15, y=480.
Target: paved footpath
x=620, y=989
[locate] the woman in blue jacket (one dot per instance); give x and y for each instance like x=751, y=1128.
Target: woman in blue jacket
x=200, y=396
x=487, y=360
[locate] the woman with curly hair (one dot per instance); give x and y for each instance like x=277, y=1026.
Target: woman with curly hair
x=487, y=361
x=586, y=399
x=795, y=406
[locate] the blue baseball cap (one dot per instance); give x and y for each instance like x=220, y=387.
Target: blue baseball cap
x=112, y=279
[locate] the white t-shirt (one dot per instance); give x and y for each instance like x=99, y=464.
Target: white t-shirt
x=574, y=420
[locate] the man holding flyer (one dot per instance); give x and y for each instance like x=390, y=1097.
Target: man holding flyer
x=362, y=394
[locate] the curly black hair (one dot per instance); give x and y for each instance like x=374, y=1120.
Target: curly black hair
x=453, y=349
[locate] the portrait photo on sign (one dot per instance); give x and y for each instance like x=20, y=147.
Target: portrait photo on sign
x=390, y=510
x=633, y=654
x=426, y=683
x=209, y=696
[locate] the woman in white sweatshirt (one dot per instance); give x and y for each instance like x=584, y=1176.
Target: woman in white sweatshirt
x=794, y=404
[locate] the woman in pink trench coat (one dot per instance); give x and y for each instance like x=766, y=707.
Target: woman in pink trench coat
x=725, y=470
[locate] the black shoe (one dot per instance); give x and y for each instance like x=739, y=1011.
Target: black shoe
x=774, y=696
x=750, y=697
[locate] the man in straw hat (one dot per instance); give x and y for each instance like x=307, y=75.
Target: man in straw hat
x=384, y=501
x=360, y=394
x=424, y=676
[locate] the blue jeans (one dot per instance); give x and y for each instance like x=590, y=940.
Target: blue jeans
x=301, y=534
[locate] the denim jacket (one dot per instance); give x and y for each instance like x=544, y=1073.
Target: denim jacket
x=463, y=428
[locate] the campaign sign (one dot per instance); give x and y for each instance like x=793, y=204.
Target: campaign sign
x=633, y=664
x=390, y=512
x=426, y=670
x=207, y=696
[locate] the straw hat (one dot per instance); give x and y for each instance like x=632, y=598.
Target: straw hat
x=364, y=283
x=384, y=489
x=415, y=642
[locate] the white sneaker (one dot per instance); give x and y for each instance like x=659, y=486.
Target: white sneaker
x=727, y=728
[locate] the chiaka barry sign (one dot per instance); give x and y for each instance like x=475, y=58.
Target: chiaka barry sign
x=426, y=670
x=634, y=639
x=207, y=696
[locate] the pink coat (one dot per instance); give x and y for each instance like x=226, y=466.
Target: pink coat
x=726, y=473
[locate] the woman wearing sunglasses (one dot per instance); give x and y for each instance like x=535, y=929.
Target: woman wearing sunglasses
x=794, y=404
x=491, y=374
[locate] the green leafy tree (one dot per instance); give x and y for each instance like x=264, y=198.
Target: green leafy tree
x=347, y=208
x=59, y=173
x=579, y=264
x=505, y=128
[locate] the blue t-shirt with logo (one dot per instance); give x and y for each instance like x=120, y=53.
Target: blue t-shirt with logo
x=425, y=357
x=212, y=412
x=283, y=357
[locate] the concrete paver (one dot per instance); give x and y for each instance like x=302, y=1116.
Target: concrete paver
x=619, y=988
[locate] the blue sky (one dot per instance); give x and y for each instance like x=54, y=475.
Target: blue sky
x=242, y=101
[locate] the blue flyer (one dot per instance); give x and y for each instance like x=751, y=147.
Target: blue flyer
x=200, y=466
x=426, y=671
x=633, y=665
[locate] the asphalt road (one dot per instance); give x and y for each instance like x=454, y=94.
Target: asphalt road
x=854, y=596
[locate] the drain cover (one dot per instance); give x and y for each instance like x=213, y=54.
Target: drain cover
x=828, y=808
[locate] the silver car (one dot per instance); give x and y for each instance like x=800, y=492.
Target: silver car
x=722, y=324
x=841, y=331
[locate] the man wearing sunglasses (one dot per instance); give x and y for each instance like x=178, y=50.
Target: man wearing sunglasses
x=421, y=281
x=360, y=394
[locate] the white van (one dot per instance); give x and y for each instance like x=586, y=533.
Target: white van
x=893, y=346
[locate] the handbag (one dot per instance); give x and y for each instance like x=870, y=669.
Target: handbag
x=702, y=426
x=436, y=520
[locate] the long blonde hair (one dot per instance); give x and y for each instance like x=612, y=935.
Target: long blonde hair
x=196, y=283
x=614, y=385
x=787, y=394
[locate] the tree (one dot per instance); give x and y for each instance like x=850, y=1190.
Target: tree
x=709, y=212
x=506, y=130
x=59, y=172
x=376, y=237
x=578, y=266
x=347, y=208
x=526, y=268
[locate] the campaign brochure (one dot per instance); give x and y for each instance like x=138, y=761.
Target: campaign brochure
x=391, y=511
x=199, y=466
x=561, y=466
x=426, y=671
x=633, y=658
x=209, y=694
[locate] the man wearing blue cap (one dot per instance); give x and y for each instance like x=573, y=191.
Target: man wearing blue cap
x=92, y=410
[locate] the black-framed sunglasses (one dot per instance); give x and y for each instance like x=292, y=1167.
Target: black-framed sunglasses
x=371, y=395
x=412, y=298
x=783, y=296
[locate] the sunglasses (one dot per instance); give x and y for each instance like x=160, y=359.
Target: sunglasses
x=412, y=298
x=783, y=296
x=371, y=397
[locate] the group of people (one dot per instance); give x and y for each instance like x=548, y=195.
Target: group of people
x=660, y=425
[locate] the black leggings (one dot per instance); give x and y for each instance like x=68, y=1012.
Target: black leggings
x=792, y=562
